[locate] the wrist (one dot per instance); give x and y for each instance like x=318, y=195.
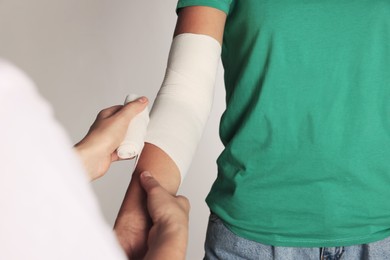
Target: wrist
x=162, y=238
x=172, y=231
x=88, y=156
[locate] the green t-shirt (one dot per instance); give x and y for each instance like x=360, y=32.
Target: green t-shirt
x=307, y=125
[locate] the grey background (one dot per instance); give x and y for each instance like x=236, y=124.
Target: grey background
x=85, y=55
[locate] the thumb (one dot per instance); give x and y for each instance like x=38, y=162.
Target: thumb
x=148, y=182
x=131, y=109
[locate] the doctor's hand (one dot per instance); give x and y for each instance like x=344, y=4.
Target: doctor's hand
x=98, y=148
x=169, y=232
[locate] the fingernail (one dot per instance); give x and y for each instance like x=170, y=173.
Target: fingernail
x=142, y=99
x=146, y=174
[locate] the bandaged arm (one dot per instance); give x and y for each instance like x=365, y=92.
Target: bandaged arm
x=184, y=101
x=196, y=20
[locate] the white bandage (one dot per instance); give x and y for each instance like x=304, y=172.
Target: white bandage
x=183, y=104
x=134, y=140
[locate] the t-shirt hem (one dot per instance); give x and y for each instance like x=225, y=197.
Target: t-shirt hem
x=210, y=3
x=311, y=242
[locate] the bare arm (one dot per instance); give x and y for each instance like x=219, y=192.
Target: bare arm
x=201, y=20
x=133, y=223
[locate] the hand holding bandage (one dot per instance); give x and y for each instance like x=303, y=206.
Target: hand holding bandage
x=98, y=149
x=134, y=141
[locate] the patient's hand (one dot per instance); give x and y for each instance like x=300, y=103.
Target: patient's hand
x=98, y=148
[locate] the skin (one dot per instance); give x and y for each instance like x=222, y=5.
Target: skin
x=133, y=224
x=167, y=237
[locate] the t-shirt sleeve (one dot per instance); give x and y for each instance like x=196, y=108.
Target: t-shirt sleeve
x=223, y=5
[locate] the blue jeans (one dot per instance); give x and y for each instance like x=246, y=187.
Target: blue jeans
x=222, y=244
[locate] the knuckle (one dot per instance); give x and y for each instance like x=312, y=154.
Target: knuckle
x=101, y=113
x=184, y=202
